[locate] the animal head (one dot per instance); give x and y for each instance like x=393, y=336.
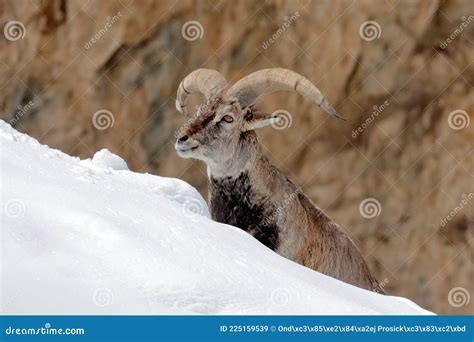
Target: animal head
x=214, y=133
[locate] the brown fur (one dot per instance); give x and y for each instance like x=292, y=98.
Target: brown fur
x=245, y=190
x=312, y=238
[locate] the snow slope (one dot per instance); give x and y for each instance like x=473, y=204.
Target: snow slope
x=91, y=237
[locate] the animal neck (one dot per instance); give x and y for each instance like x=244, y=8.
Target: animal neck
x=243, y=160
x=236, y=199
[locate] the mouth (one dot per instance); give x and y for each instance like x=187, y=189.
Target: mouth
x=185, y=150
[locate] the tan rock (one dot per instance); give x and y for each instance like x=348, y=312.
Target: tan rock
x=407, y=157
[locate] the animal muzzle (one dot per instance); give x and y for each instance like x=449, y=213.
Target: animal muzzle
x=185, y=145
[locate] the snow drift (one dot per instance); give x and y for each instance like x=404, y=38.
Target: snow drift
x=92, y=237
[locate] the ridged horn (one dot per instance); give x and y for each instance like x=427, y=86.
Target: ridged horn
x=206, y=81
x=248, y=89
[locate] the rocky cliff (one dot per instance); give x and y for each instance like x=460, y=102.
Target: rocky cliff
x=83, y=75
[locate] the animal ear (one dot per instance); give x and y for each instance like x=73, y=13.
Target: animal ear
x=257, y=119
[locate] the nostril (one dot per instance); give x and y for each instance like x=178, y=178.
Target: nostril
x=183, y=138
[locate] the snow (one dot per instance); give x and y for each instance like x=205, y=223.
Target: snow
x=92, y=237
x=106, y=158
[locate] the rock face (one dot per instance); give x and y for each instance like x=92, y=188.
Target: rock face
x=85, y=75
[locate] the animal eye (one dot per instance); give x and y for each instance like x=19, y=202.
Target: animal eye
x=228, y=118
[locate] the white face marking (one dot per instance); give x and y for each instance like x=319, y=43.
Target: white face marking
x=218, y=143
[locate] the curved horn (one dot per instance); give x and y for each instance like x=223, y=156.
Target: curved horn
x=206, y=81
x=248, y=89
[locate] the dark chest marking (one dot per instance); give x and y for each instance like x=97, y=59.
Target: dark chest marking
x=234, y=202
